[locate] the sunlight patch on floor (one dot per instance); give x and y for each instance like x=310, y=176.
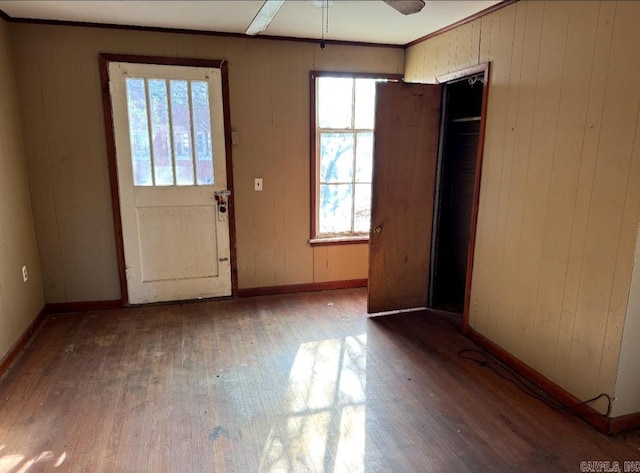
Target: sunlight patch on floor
x=324, y=430
x=9, y=462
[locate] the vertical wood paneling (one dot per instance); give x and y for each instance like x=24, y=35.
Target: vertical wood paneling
x=499, y=152
x=70, y=175
x=429, y=63
x=498, y=309
x=628, y=17
x=443, y=53
x=571, y=122
x=58, y=178
x=605, y=217
x=43, y=197
x=332, y=261
x=559, y=203
x=606, y=234
x=489, y=170
x=492, y=34
x=589, y=146
x=625, y=336
x=539, y=166
x=105, y=241
x=278, y=179
x=295, y=193
x=483, y=39
x=526, y=83
x=463, y=55
x=20, y=302
x=66, y=153
x=261, y=124
x=418, y=62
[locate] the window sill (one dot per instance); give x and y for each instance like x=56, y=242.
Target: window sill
x=340, y=240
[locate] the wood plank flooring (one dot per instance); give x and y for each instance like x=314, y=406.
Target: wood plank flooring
x=293, y=383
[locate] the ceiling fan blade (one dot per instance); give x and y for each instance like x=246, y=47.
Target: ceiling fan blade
x=264, y=17
x=406, y=7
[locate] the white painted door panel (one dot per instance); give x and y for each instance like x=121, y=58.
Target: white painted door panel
x=176, y=239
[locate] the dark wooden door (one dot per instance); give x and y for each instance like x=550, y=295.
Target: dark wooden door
x=404, y=174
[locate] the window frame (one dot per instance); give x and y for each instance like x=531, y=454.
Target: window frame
x=341, y=239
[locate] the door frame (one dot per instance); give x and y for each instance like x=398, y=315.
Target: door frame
x=451, y=77
x=104, y=59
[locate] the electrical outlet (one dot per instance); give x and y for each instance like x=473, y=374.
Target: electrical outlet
x=257, y=184
x=25, y=274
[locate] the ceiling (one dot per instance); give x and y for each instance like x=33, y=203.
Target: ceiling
x=370, y=21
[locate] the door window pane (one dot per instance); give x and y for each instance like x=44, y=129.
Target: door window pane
x=335, y=106
x=160, y=132
x=202, y=130
x=336, y=157
x=181, y=121
x=335, y=208
x=170, y=130
x=139, y=132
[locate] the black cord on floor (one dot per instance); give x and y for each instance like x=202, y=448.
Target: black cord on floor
x=485, y=359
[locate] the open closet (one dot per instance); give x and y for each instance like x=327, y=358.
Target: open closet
x=460, y=137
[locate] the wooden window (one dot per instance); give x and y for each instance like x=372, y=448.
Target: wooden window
x=342, y=133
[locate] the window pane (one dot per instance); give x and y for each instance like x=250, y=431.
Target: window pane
x=335, y=96
x=181, y=121
x=335, y=208
x=336, y=157
x=364, y=157
x=139, y=132
x=162, y=157
x=202, y=128
x=362, y=208
x=365, y=103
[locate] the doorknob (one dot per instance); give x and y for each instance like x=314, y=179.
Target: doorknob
x=378, y=229
x=222, y=201
x=222, y=197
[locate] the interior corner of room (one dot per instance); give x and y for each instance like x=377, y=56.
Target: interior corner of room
x=554, y=283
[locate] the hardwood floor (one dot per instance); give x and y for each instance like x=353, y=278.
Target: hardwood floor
x=293, y=383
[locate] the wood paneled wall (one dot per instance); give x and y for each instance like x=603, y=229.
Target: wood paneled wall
x=20, y=301
x=269, y=93
x=560, y=190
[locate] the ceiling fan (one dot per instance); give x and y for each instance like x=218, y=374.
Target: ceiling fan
x=270, y=8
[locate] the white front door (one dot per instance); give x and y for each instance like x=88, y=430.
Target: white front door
x=170, y=147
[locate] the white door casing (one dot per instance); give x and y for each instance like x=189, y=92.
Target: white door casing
x=176, y=237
